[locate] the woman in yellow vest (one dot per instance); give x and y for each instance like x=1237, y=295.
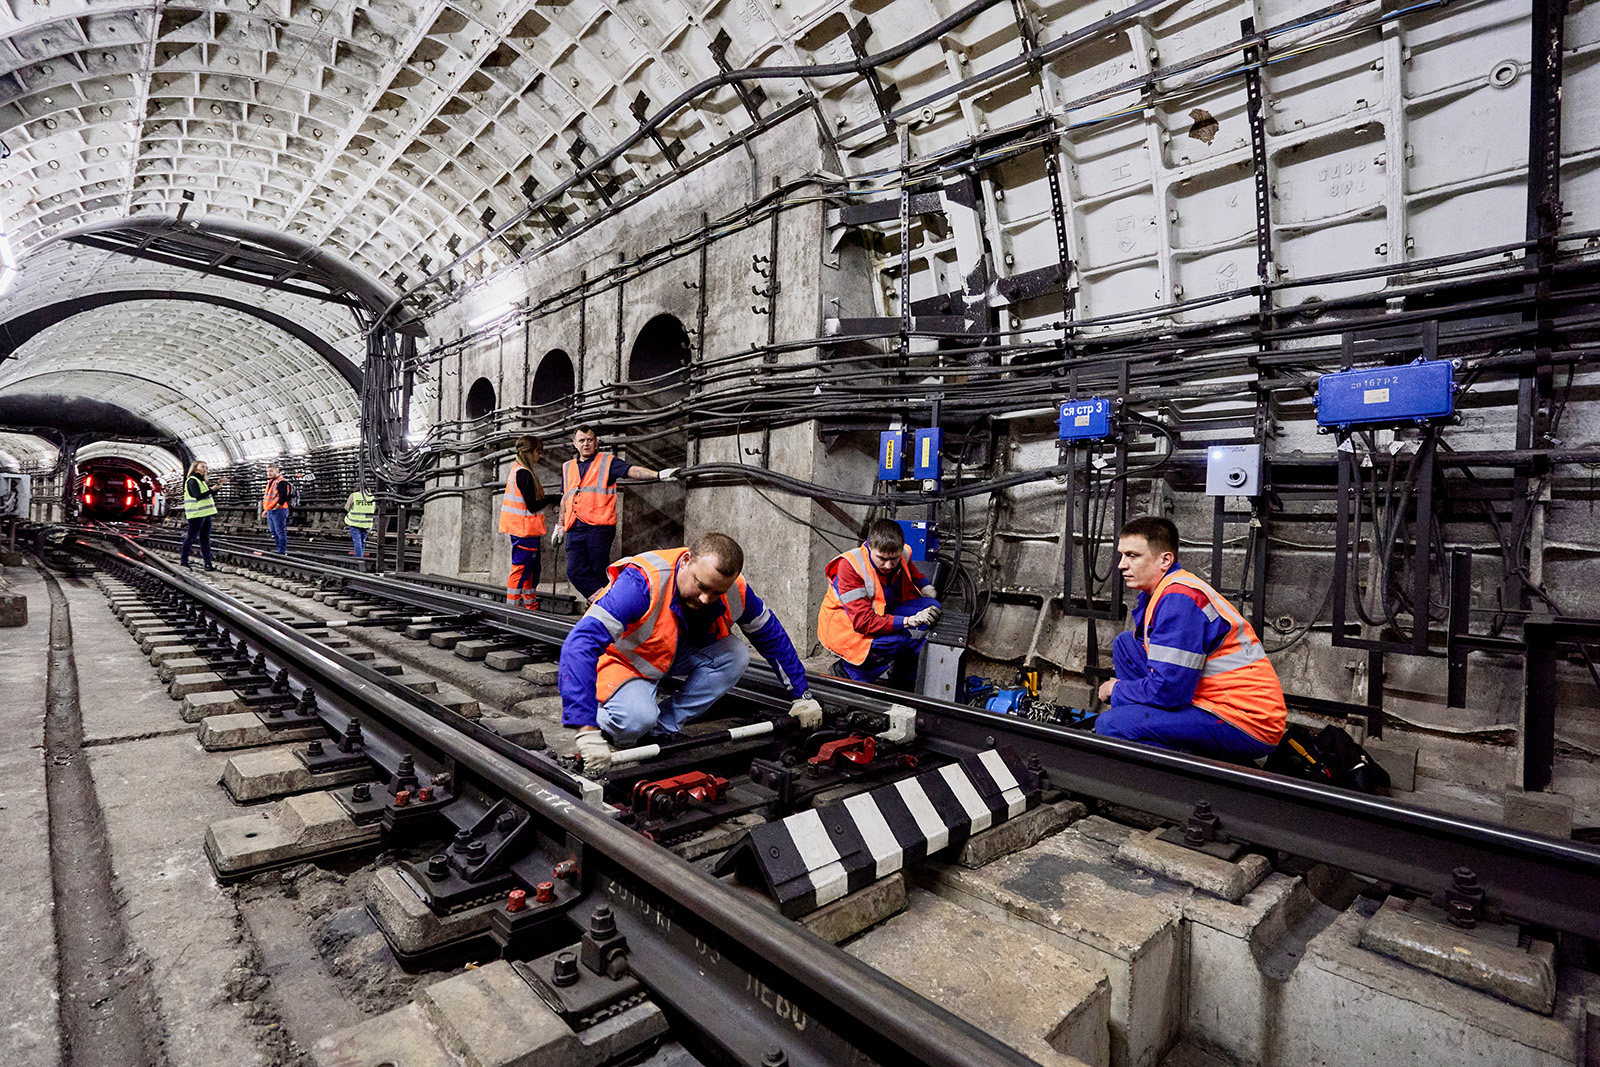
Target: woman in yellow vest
x=359, y=509
x=198, y=506
x=520, y=517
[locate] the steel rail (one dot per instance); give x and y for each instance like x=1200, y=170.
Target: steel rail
x=1530, y=877
x=865, y=1013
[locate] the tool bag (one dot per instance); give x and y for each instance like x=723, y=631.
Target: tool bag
x=1331, y=757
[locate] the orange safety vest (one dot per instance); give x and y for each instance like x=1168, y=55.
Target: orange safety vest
x=590, y=499
x=515, y=518
x=646, y=648
x=269, y=495
x=1237, y=682
x=834, y=628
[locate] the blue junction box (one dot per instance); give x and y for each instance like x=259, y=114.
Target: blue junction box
x=925, y=463
x=1084, y=420
x=1415, y=392
x=917, y=539
x=891, y=455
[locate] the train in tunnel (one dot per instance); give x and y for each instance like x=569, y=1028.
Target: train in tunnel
x=112, y=489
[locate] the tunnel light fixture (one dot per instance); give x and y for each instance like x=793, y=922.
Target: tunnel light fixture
x=499, y=311
x=8, y=265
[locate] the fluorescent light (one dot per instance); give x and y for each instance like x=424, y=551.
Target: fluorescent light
x=499, y=311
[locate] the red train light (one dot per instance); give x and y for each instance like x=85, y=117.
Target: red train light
x=128, y=501
x=88, y=498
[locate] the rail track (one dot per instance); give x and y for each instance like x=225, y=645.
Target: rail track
x=520, y=838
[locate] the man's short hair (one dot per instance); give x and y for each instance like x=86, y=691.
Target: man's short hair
x=729, y=556
x=585, y=428
x=886, y=536
x=1159, y=533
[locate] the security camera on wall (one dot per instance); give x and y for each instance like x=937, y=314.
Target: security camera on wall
x=14, y=496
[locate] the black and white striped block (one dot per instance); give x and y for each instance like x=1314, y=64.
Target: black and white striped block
x=815, y=857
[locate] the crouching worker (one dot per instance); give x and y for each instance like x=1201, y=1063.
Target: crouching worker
x=877, y=609
x=669, y=614
x=520, y=517
x=1191, y=673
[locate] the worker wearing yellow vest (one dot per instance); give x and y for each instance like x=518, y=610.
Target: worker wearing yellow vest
x=588, y=520
x=275, y=507
x=669, y=613
x=877, y=610
x=1191, y=673
x=359, y=510
x=199, y=505
x=520, y=517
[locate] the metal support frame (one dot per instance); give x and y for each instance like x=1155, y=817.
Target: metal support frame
x=1544, y=637
x=883, y=97
x=751, y=95
x=1254, y=57
x=1119, y=505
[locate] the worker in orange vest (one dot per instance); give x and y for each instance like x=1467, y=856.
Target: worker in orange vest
x=1191, y=673
x=669, y=613
x=877, y=610
x=520, y=516
x=588, y=520
x=275, y=507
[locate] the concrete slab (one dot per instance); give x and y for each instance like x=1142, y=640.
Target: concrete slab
x=1103, y=914
x=1228, y=880
x=28, y=996
x=445, y=638
x=198, y=706
x=506, y=659
x=1540, y=813
x=172, y=666
x=387, y=667
x=275, y=772
x=411, y=925
x=220, y=733
x=298, y=827
x=161, y=655
x=475, y=648
x=400, y=1038
x=542, y=673
x=458, y=702
x=423, y=631
x=418, y=683
x=1399, y=758
x=858, y=911
x=1488, y=957
x=1004, y=980
x=517, y=730
x=1025, y=830
x=183, y=685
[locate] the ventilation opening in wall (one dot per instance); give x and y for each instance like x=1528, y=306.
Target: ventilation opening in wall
x=661, y=348
x=553, y=380
x=480, y=399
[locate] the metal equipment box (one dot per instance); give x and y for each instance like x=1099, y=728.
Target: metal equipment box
x=918, y=539
x=925, y=463
x=1233, y=470
x=14, y=496
x=891, y=455
x=1083, y=420
x=1417, y=392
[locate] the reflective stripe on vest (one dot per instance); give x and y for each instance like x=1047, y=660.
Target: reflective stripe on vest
x=647, y=648
x=515, y=518
x=589, y=499
x=1237, y=682
x=835, y=630
x=269, y=495
x=198, y=507
x=362, y=508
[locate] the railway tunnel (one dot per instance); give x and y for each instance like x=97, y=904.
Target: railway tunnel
x=413, y=416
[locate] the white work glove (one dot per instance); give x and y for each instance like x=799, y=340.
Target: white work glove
x=556, y=535
x=807, y=712
x=666, y=474
x=925, y=617
x=595, y=751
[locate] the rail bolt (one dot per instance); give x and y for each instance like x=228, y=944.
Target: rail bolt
x=565, y=971
x=402, y=797
x=425, y=794
x=314, y=748
x=516, y=900
x=475, y=851
x=544, y=892
x=438, y=867
x=462, y=839
x=602, y=924
x=774, y=1057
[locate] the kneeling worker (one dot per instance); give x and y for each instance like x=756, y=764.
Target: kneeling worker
x=669, y=613
x=877, y=609
x=1191, y=673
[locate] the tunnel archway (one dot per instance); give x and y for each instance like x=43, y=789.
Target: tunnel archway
x=662, y=347
x=480, y=399
x=553, y=380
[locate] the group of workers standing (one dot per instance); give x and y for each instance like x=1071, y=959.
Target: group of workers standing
x=200, y=507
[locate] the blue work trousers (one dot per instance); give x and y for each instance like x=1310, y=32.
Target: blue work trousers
x=1187, y=729
x=894, y=654
x=708, y=672
x=588, y=555
x=358, y=538
x=278, y=523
